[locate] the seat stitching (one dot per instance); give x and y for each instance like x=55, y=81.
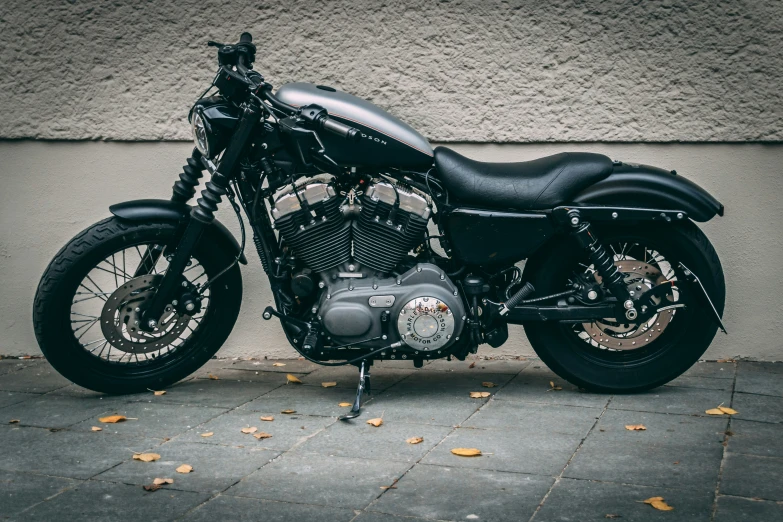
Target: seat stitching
x=568, y=156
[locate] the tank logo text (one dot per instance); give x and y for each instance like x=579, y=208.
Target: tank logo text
x=373, y=138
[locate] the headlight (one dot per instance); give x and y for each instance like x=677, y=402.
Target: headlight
x=200, y=132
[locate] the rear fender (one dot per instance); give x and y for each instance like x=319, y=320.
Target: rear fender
x=165, y=210
x=642, y=186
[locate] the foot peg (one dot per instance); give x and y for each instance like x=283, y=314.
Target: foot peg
x=523, y=293
x=364, y=385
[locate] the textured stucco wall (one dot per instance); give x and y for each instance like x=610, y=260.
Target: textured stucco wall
x=51, y=191
x=470, y=70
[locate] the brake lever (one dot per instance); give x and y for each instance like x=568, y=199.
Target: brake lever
x=212, y=43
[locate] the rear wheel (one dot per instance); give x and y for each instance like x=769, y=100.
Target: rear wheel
x=615, y=355
x=89, y=302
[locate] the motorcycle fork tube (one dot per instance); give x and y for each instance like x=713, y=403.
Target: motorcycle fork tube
x=201, y=217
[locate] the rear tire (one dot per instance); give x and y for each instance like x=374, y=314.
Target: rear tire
x=57, y=293
x=682, y=343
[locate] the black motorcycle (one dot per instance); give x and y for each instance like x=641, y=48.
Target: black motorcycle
x=620, y=291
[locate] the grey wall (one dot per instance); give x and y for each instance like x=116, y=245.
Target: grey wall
x=50, y=191
x=469, y=70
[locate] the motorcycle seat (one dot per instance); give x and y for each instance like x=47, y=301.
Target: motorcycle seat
x=539, y=184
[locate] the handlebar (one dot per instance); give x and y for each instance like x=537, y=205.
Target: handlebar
x=340, y=129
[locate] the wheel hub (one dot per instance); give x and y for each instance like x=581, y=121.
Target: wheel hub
x=616, y=335
x=122, y=315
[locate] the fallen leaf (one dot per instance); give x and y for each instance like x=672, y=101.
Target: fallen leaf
x=388, y=487
x=479, y=395
x=375, y=422
x=263, y=435
x=160, y=392
x=676, y=462
x=288, y=412
x=714, y=411
x=345, y=404
x=113, y=419
x=726, y=360
x=161, y=481
x=249, y=430
x=611, y=515
x=96, y=428
x=13, y=421
x=152, y=487
x=466, y=452
x=268, y=419
x=728, y=411
x=488, y=384
x=553, y=387
x=293, y=379
x=207, y=434
x=415, y=440
x=278, y=364
x=658, y=503
x=185, y=468
x=146, y=457
x=472, y=365
x=213, y=377
x=635, y=427
x=328, y=384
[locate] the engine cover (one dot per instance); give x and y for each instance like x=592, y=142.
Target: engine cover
x=419, y=308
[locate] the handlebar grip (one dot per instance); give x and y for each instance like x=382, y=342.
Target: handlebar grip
x=342, y=130
x=245, y=38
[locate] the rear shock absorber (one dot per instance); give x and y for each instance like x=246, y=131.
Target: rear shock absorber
x=185, y=188
x=603, y=263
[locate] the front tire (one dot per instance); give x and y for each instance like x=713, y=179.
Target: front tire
x=611, y=367
x=64, y=322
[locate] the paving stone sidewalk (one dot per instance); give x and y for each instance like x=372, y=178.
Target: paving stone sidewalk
x=548, y=455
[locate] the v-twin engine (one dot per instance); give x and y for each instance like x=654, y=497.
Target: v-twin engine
x=352, y=251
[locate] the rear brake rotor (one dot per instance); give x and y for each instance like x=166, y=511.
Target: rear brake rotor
x=610, y=333
x=122, y=312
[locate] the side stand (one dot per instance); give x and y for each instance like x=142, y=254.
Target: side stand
x=364, y=385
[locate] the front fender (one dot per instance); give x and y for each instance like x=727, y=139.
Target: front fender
x=643, y=186
x=163, y=209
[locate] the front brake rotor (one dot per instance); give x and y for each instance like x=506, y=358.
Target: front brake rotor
x=122, y=313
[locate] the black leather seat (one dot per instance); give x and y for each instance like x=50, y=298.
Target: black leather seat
x=540, y=184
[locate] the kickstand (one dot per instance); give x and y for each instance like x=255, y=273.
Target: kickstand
x=364, y=385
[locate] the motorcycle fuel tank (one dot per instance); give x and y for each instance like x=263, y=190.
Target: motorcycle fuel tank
x=385, y=140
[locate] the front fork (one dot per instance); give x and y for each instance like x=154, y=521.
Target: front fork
x=202, y=215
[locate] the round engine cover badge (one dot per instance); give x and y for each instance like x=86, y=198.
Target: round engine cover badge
x=425, y=323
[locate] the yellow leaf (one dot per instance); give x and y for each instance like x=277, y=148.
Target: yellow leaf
x=488, y=384
x=658, y=503
x=96, y=428
x=415, y=440
x=553, y=387
x=328, y=384
x=213, y=377
x=714, y=411
x=293, y=379
x=263, y=435
x=388, y=487
x=146, y=457
x=635, y=427
x=185, y=468
x=375, y=422
x=345, y=404
x=479, y=395
x=268, y=419
x=728, y=411
x=466, y=452
x=472, y=365
x=113, y=419
x=249, y=430
x=160, y=481
x=288, y=412
x=207, y=434
x=159, y=393
x=725, y=360
x=278, y=364
x=13, y=421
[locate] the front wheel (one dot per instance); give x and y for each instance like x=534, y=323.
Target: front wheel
x=619, y=356
x=89, y=301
